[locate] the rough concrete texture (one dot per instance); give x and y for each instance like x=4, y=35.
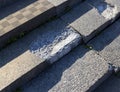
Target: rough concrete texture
x=15, y=69
x=86, y=20
x=56, y=43
x=19, y=65
x=112, y=84
x=108, y=44
x=79, y=71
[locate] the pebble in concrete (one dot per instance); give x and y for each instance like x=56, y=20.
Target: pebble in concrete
x=79, y=71
x=86, y=20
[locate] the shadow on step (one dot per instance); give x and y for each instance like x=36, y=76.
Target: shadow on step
x=76, y=12
x=17, y=48
x=52, y=75
x=106, y=37
x=4, y=12
x=48, y=79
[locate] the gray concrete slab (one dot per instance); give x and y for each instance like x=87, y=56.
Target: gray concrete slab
x=79, y=71
x=108, y=44
x=86, y=20
x=19, y=62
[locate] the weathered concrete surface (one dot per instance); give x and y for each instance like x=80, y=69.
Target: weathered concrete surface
x=108, y=44
x=54, y=44
x=18, y=63
x=14, y=73
x=79, y=71
x=110, y=9
x=86, y=20
x=110, y=85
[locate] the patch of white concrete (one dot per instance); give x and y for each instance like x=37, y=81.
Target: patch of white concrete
x=107, y=10
x=57, y=47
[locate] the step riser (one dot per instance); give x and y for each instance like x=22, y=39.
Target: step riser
x=36, y=21
x=26, y=78
x=26, y=27
x=36, y=69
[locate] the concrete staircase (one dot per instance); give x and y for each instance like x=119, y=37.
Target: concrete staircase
x=25, y=54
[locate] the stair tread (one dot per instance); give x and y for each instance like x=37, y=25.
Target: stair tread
x=108, y=44
x=23, y=59
x=81, y=70
x=21, y=16
x=87, y=20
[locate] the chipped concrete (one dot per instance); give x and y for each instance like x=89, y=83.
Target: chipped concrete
x=57, y=47
x=107, y=10
x=79, y=71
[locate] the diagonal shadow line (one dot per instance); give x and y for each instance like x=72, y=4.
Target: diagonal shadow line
x=15, y=49
x=16, y=6
x=106, y=37
x=52, y=75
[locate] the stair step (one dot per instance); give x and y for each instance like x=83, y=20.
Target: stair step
x=87, y=19
x=22, y=17
x=108, y=44
x=24, y=59
x=31, y=54
x=82, y=70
